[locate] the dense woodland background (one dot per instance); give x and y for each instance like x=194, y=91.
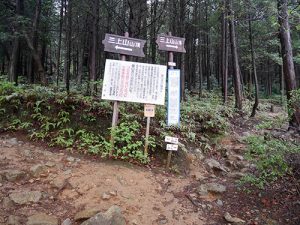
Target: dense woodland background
x=228, y=42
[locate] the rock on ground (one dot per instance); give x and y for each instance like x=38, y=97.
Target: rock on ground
x=234, y=220
x=7, y=203
x=105, y=196
x=67, y=222
x=42, y=219
x=14, y=220
x=11, y=142
x=37, y=170
x=214, y=164
x=14, y=175
x=26, y=197
x=112, y=216
x=86, y=214
x=211, y=187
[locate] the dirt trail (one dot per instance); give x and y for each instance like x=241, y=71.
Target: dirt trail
x=69, y=184
x=36, y=179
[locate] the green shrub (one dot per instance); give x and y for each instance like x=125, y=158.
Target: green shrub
x=268, y=154
x=294, y=102
x=79, y=122
x=127, y=141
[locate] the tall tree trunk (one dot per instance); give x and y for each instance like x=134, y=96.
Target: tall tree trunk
x=200, y=64
x=207, y=50
x=253, y=67
x=153, y=30
x=287, y=58
x=12, y=73
x=224, y=52
x=14, y=58
x=32, y=42
x=3, y=65
x=200, y=69
x=69, y=44
x=59, y=41
x=93, y=75
x=137, y=13
x=236, y=67
x=39, y=69
x=181, y=33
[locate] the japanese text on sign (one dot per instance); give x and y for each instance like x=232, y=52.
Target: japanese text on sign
x=170, y=43
x=149, y=110
x=172, y=140
x=124, y=45
x=134, y=82
x=173, y=97
x=171, y=147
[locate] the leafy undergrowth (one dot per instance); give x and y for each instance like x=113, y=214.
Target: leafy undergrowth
x=82, y=123
x=270, y=157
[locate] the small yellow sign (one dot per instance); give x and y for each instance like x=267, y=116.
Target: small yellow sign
x=149, y=110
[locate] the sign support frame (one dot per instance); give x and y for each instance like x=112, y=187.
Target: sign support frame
x=147, y=136
x=116, y=113
x=170, y=62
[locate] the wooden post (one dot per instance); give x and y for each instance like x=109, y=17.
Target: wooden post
x=147, y=136
x=169, y=159
x=115, y=114
x=170, y=60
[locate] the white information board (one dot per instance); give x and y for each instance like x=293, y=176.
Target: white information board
x=172, y=140
x=171, y=147
x=173, y=97
x=134, y=82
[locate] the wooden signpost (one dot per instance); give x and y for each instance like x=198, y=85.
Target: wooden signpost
x=149, y=111
x=172, y=146
x=132, y=81
x=124, y=46
x=171, y=44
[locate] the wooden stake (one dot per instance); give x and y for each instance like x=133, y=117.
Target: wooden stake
x=113, y=126
x=169, y=159
x=147, y=136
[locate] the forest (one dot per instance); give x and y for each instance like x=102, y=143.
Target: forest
x=60, y=42
x=63, y=160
